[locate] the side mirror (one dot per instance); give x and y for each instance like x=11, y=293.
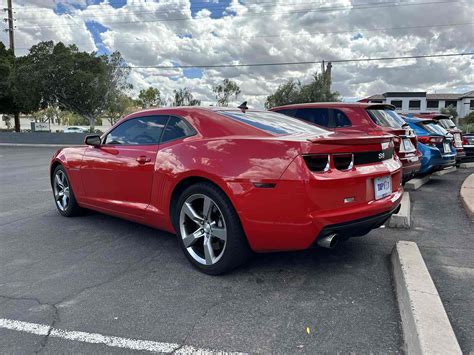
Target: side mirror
x=93, y=139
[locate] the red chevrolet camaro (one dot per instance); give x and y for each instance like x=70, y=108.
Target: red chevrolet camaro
x=230, y=181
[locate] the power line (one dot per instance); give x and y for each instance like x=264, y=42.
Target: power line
x=320, y=9
x=176, y=67
x=358, y=30
x=205, y=5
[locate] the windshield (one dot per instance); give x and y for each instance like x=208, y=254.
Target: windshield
x=447, y=123
x=273, y=123
x=386, y=118
x=435, y=128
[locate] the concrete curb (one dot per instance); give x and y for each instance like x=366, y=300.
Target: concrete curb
x=445, y=171
x=467, y=195
x=38, y=145
x=415, y=184
x=425, y=324
x=467, y=165
x=403, y=218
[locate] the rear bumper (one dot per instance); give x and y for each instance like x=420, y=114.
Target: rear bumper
x=293, y=214
x=469, y=153
x=357, y=228
x=411, y=165
x=433, y=160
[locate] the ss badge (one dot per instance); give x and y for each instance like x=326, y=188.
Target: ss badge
x=381, y=156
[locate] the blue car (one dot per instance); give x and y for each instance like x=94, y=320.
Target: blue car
x=434, y=143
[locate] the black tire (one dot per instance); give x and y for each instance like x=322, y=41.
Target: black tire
x=237, y=250
x=72, y=209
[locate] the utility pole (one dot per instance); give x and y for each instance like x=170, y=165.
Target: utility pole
x=10, y=25
x=10, y=29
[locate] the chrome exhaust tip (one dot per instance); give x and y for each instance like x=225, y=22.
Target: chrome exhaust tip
x=329, y=241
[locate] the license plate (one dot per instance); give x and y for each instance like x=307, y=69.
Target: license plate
x=457, y=140
x=382, y=187
x=408, y=145
x=447, y=147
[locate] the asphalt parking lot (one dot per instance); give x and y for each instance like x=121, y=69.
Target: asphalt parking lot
x=99, y=274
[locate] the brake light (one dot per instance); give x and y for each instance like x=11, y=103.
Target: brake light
x=465, y=141
x=317, y=163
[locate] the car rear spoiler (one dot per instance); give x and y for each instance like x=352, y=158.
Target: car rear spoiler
x=360, y=140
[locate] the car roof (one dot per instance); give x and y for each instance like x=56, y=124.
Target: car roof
x=364, y=105
x=207, y=120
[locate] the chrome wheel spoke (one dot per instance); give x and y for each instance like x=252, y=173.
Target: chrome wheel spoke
x=206, y=207
x=64, y=201
x=208, y=251
x=59, y=181
x=192, y=214
x=203, y=229
x=220, y=233
x=191, y=239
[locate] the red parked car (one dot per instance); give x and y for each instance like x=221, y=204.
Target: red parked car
x=447, y=123
x=366, y=118
x=229, y=181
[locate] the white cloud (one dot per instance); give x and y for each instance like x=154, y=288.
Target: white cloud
x=149, y=33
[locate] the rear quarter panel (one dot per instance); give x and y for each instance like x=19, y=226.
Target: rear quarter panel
x=233, y=164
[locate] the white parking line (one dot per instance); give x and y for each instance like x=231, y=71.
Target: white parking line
x=94, y=338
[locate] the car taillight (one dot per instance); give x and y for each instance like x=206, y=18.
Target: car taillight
x=465, y=141
x=317, y=163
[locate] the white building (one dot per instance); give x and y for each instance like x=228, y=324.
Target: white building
x=417, y=102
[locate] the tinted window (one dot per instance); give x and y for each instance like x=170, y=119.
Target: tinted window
x=137, y=131
x=319, y=116
x=273, y=123
x=386, y=118
x=340, y=119
x=397, y=104
x=177, y=128
x=432, y=104
x=291, y=112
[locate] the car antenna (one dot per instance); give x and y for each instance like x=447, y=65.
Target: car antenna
x=243, y=106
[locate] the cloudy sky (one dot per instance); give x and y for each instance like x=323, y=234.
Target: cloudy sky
x=214, y=32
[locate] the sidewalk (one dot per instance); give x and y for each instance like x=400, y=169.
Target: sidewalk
x=467, y=195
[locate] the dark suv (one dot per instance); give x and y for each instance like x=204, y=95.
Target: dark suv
x=362, y=117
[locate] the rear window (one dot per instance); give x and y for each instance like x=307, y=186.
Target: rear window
x=386, y=118
x=273, y=123
x=447, y=123
x=433, y=127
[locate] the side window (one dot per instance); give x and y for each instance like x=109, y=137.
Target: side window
x=319, y=116
x=340, y=119
x=177, y=128
x=138, y=131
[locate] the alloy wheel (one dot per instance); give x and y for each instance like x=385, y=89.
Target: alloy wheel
x=203, y=229
x=61, y=190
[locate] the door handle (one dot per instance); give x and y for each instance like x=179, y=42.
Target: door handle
x=143, y=159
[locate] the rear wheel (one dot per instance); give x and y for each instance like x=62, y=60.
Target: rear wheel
x=209, y=230
x=63, y=195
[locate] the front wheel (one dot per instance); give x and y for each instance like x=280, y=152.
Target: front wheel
x=63, y=195
x=209, y=230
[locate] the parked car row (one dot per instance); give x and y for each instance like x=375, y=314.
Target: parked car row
x=232, y=181
x=424, y=144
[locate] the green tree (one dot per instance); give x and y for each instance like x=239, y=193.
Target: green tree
x=9, y=104
x=120, y=106
x=293, y=92
x=150, y=97
x=80, y=82
x=285, y=94
x=183, y=97
x=225, y=91
x=450, y=110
